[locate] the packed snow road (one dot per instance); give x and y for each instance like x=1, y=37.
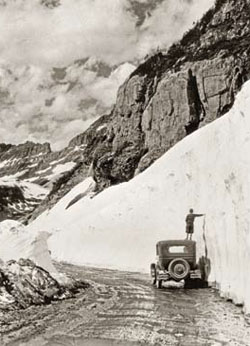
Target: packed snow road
x=123, y=309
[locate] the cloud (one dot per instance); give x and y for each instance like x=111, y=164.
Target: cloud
x=35, y=105
x=33, y=34
x=169, y=22
x=76, y=29
x=34, y=38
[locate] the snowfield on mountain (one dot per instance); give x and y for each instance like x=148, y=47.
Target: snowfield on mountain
x=118, y=228
x=19, y=197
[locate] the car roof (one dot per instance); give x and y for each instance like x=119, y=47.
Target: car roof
x=175, y=242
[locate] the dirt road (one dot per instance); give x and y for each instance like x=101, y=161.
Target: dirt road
x=124, y=309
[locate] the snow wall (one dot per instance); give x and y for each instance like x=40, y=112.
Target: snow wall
x=208, y=171
x=17, y=242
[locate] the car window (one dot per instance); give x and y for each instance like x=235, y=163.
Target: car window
x=178, y=249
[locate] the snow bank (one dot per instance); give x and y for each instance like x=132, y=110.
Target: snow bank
x=84, y=188
x=17, y=242
x=208, y=171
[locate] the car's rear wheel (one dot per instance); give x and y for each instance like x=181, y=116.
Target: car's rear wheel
x=153, y=273
x=205, y=268
x=179, y=269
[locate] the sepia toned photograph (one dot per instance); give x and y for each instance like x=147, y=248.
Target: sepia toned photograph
x=125, y=173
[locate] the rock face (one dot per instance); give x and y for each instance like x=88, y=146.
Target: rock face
x=171, y=95
x=19, y=159
x=23, y=284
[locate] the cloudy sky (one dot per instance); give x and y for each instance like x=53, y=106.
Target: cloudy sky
x=112, y=31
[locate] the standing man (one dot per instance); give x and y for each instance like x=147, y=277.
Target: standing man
x=190, y=223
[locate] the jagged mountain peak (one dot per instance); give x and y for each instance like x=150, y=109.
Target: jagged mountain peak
x=24, y=149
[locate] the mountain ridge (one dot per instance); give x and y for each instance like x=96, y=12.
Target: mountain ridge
x=166, y=98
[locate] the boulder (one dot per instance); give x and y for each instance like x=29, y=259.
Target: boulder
x=22, y=283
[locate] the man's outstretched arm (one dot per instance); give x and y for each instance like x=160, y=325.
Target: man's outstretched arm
x=198, y=215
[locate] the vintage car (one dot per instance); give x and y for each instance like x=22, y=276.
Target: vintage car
x=176, y=260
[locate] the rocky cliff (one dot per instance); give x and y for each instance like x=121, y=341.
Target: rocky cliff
x=171, y=95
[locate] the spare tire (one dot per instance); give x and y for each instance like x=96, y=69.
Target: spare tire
x=179, y=269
